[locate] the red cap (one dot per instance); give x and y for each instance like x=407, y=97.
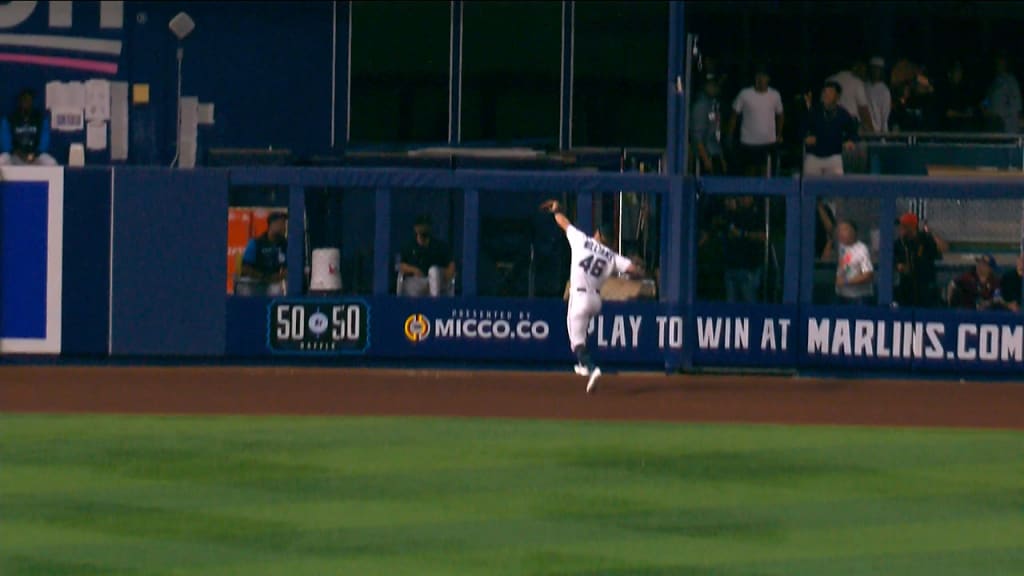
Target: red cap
x=909, y=220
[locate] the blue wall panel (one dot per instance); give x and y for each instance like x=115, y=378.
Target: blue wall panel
x=23, y=236
x=85, y=318
x=169, y=270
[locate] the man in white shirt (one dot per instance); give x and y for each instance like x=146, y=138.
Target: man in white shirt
x=592, y=264
x=760, y=107
x=879, y=97
x=1004, y=99
x=855, y=275
x=854, y=97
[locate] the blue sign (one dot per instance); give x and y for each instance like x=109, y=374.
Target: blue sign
x=318, y=327
x=31, y=257
x=523, y=330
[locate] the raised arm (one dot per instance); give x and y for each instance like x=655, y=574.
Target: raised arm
x=555, y=208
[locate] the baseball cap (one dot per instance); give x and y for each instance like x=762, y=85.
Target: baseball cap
x=987, y=259
x=606, y=232
x=909, y=220
x=877, y=62
x=274, y=217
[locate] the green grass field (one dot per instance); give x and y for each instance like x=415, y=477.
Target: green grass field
x=365, y=496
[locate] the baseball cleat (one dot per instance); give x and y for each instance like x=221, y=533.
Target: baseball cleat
x=582, y=370
x=592, y=383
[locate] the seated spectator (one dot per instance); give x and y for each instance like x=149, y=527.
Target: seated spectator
x=829, y=130
x=855, y=275
x=1010, y=285
x=426, y=263
x=978, y=288
x=914, y=255
x=25, y=135
x=264, y=262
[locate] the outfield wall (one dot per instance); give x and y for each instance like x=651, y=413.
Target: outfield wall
x=130, y=262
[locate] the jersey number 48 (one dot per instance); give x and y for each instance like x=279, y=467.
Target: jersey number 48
x=593, y=266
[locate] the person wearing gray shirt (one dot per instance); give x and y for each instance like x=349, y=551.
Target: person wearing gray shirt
x=1004, y=101
x=706, y=130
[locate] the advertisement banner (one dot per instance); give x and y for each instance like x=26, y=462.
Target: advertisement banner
x=744, y=335
x=318, y=327
x=523, y=330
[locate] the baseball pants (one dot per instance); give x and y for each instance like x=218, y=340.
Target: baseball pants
x=583, y=305
x=419, y=287
x=823, y=166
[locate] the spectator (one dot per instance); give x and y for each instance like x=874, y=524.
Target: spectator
x=853, y=95
x=744, y=249
x=25, y=135
x=879, y=97
x=913, y=96
x=426, y=263
x=825, y=225
x=829, y=129
x=978, y=288
x=1011, y=285
x=855, y=275
x=265, y=259
x=914, y=256
x=706, y=129
x=1003, y=100
x=710, y=248
x=956, y=104
x=760, y=107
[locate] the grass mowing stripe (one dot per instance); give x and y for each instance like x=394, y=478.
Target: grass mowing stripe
x=273, y=495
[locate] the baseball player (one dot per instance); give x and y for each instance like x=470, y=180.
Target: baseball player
x=592, y=264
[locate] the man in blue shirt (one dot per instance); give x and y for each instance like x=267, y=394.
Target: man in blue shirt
x=25, y=135
x=829, y=128
x=264, y=259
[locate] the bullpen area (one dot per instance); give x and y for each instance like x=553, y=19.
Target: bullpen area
x=302, y=471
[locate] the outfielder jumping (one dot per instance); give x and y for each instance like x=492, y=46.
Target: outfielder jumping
x=592, y=264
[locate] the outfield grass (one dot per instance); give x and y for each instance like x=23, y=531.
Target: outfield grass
x=367, y=496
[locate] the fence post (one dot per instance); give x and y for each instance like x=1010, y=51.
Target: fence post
x=470, y=241
x=296, y=241
x=382, y=264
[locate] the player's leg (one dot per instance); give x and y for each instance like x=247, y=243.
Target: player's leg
x=593, y=309
x=577, y=323
x=415, y=287
x=434, y=277
x=45, y=159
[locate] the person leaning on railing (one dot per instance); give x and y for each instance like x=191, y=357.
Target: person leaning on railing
x=1010, y=285
x=829, y=129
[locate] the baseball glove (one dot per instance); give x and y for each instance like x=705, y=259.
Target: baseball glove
x=550, y=206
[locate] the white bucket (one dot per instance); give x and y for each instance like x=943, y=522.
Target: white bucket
x=326, y=273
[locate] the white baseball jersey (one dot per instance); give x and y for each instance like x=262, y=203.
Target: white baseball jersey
x=592, y=262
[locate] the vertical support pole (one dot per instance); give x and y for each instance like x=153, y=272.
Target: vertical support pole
x=808, y=217
x=886, y=239
x=470, y=241
x=383, y=264
x=341, y=91
x=455, y=74
x=676, y=116
x=585, y=212
x=794, y=240
x=296, y=241
x=568, y=45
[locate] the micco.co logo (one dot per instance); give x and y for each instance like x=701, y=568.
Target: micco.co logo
x=417, y=328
